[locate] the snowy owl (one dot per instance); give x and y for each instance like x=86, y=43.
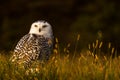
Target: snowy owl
x=36, y=45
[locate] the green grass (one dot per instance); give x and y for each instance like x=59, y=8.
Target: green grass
x=87, y=65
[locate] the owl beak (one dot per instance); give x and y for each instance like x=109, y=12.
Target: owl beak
x=39, y=30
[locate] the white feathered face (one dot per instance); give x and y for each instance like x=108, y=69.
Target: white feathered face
x=41, y=28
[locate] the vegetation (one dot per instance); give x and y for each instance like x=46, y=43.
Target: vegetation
x=86, y=65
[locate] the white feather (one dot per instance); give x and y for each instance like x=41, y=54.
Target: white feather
x=46, y=32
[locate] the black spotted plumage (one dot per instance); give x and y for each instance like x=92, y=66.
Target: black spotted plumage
x=32, y=47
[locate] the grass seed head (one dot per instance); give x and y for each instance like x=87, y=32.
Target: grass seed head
x=56, y=39
x=96, y=44
x=78, y=37
x=101, y=43
x=113, y=49
x=109, y=45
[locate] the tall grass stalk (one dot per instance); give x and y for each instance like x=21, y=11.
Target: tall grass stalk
x=76, y=45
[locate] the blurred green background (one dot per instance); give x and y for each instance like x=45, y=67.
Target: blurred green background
x=92, y=19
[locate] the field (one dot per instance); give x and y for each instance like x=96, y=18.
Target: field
x=86, y=65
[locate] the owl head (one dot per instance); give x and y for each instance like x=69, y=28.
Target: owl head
x=41, y=28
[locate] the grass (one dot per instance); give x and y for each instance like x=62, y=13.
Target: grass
x=87, y=65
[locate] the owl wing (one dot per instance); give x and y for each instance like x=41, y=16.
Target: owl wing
x=26, y=50
x=47, y=46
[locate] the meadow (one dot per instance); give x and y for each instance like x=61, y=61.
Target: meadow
x=86, y=65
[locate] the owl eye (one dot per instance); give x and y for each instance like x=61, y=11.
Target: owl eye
x=44, y=26
x=36, y=26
